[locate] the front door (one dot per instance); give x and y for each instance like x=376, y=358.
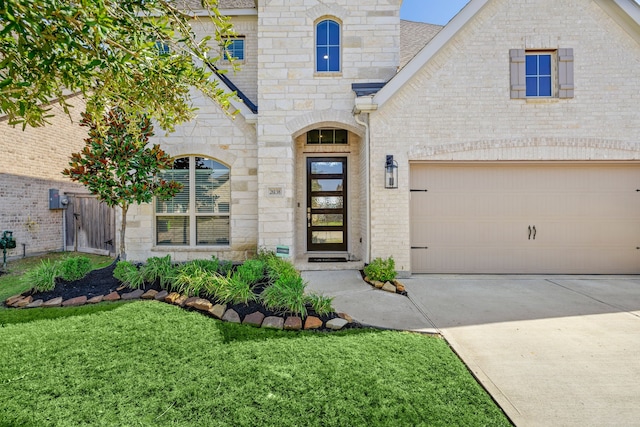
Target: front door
x=326, y=204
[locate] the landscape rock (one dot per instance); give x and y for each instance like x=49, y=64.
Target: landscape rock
x=399, y=286
x=73, y=302
x=231, y=316
x=293, y=323
x=12, y=300
x=160, y=296
x=35, y=304
x=336, y=324
x=312, y=322
x=389, y=287
x=25, y=301
x=202, y=304
x=55, y=302
x=218, y=310
x=254, y=319
x=113, y=296
x=378, y=284
x=95, y=299
x=150, y=294
x=273, y=322
x=182, y=299
x=190, y=301
x=133, y=295
x=346, y=317
x=172, y=297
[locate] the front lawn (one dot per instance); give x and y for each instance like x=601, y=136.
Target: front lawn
x=153, y=364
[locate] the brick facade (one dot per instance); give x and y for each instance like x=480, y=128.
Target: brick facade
x=32, y=163
x=458, y=108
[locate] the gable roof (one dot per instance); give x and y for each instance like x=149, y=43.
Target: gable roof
x=194, y=5
x=625, y=12
x=413, y=37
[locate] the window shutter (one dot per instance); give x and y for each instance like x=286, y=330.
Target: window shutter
x=518, y=78
x=565, y=73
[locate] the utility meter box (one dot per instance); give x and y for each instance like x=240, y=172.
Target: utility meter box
x=56, y=201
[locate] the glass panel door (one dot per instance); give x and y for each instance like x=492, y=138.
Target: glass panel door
x=327, y=204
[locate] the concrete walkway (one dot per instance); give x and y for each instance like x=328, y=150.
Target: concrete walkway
x=551, y=350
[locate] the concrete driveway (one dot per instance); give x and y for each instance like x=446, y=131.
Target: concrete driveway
x=551, y=350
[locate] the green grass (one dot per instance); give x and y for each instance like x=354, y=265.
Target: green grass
x=11, y=283
x=153, y=364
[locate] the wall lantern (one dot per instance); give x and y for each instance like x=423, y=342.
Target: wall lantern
x=391, y=173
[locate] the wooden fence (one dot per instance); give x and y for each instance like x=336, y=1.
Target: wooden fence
x=90, y=225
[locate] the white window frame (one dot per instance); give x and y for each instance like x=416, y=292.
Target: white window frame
x=318, y=45
x=191, y=212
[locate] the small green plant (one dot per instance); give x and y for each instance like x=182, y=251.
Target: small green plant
x=211, y=265
x=382, y=270
x=279, y=267
x=159, y=269
x=129, y=274
x=43, y=277
x=225, y=267
x=231, y=290
x=74, y=268
x=192, y=279
x=320, y=304
x=286, y=294
x=251, y=271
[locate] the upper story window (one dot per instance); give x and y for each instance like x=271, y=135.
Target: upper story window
x=163, y=48
x=234, y=49
x=541, y=74
x=327, y=46
x=199, y=214
x=538, y=74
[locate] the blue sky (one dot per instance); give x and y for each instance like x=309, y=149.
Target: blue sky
x=431, y=11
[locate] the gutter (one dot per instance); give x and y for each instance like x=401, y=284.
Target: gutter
x=365, y=105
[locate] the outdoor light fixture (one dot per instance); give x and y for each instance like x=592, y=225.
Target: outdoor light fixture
x=391, y=173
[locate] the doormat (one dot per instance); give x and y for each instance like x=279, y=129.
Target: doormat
x=327, y=259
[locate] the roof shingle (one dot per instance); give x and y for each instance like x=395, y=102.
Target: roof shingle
x=222, y=4
x=413, y=37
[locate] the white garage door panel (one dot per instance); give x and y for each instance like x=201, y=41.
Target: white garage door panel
x=476, y=218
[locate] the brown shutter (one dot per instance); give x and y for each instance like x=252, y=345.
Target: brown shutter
x=565, y=73
x=518, y=77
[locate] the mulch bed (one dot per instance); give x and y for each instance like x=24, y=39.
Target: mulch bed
x=101, y=282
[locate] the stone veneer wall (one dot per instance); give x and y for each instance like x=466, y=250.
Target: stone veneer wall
x=293, y=98
x=32, y=162
x=458, y=108
x=228, y=140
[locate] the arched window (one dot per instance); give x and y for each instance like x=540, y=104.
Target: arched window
x=327, y=46
x=199, y=214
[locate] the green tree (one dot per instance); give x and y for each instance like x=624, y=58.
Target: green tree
x=117, y=165
x=138, y=55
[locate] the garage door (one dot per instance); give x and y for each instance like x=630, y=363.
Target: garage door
x=525, y=218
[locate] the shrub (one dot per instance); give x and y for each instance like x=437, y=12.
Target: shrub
x=159, y=269
x=225, y=267
x=42, y=277
x=210, y=265
x=320, y=304
x=251, y=271
x=279, y=267
x=192, y=279
x=286, y=294
x=231, y=290
x=74, y=268
x=129, y=274
x=381, y=270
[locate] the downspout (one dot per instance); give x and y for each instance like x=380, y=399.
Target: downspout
x=367, y=256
